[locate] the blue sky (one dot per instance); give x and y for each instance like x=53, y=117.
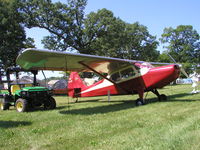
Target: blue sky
x=155, y=14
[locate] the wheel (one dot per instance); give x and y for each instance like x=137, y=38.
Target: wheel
x=21, y=105
x=162, y=97
x=50, y=104
x=4, y=105
x=139, y=102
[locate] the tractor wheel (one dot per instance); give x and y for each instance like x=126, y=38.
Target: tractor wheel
x=50, y=103
x=139, y=102
x=21, y=105
x=4, y=105
x=162, y=97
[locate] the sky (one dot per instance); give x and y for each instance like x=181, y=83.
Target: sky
x=154, y=14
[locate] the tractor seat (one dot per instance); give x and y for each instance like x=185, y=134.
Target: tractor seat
x=14, y=88
x=28, y=85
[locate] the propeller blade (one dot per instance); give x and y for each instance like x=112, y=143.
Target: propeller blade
x=183, y=71
x=181, y=67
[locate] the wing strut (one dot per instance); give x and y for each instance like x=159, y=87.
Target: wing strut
x=125, y=92
x=97, y=72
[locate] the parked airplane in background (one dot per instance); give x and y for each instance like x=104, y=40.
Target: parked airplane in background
x=123, y=76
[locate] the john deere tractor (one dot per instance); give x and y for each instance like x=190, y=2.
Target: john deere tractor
x=25, y=97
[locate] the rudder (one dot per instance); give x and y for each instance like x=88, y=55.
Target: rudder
x=75, y=85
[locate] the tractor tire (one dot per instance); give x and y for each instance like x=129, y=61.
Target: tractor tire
x=21, y=105
x=4, y=105
x=50, y=104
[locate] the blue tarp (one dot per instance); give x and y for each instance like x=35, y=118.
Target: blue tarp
x=184, y=81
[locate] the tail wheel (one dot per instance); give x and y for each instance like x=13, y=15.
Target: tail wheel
x=21, y=105
x=50, y=104
x=4, y=105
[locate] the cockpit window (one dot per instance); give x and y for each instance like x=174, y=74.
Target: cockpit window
x=115, y=76
x=127, y=73
x=124, y=74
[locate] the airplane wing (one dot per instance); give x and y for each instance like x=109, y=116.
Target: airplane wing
x=34, y=59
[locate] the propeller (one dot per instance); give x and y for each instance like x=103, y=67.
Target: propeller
x=181, y=66
x=183, y=71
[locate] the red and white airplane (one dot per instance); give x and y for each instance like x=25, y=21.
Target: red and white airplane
x=123, y=76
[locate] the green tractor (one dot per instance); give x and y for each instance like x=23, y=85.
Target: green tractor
x=26, y=97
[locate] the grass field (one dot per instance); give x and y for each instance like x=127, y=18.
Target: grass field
x=93, y=124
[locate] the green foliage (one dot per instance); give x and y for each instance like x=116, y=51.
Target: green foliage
x=182, y=43
x=188, y=67
x=12, y=33
x=13, y=37
x=63, y=21
x=99, y=33
x=116, y=38
x=105, y=33
x=93, y=123
x=164, y=58
x=139, y=43
x=29, y=43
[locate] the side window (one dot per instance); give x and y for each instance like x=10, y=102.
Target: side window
x=137, y=68
x=127, y=73
x=115, y=76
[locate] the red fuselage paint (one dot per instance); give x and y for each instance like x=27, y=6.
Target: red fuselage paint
x=157, y=77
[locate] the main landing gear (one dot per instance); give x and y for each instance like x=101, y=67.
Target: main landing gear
x=161, y=97
x=140, y=101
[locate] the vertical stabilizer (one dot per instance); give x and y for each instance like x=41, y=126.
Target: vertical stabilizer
x=75, y=85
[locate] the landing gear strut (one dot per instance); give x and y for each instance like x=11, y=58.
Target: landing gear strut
x=161, y=97
x=140, y=101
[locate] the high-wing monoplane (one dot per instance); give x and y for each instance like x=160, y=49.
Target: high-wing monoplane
x=122, y=76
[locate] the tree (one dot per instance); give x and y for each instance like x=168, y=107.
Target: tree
x=113, y=37
x=164, y=58
x=13, y=37
x=105, y=32
x=182, y=43
x=139, y=43
x=63, y=21
x=99, y=33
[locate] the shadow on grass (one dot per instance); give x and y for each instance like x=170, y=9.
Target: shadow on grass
x=62, y=107
x=12, y=124
x=172, y=98
x=42, y=108
x=102, y=109
x=83, y=101
x=122, y=105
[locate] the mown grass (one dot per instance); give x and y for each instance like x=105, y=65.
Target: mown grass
x=95, y=123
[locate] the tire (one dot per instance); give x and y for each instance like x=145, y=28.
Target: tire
x=139, y=102
x=21, y=105
x=4, y=105
x=162, y=97
x=50, y=104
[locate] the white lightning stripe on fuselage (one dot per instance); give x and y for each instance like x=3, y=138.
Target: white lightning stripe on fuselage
x=107, y=83
x=104, y=84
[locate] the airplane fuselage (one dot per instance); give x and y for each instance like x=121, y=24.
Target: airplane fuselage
x=143, y=80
